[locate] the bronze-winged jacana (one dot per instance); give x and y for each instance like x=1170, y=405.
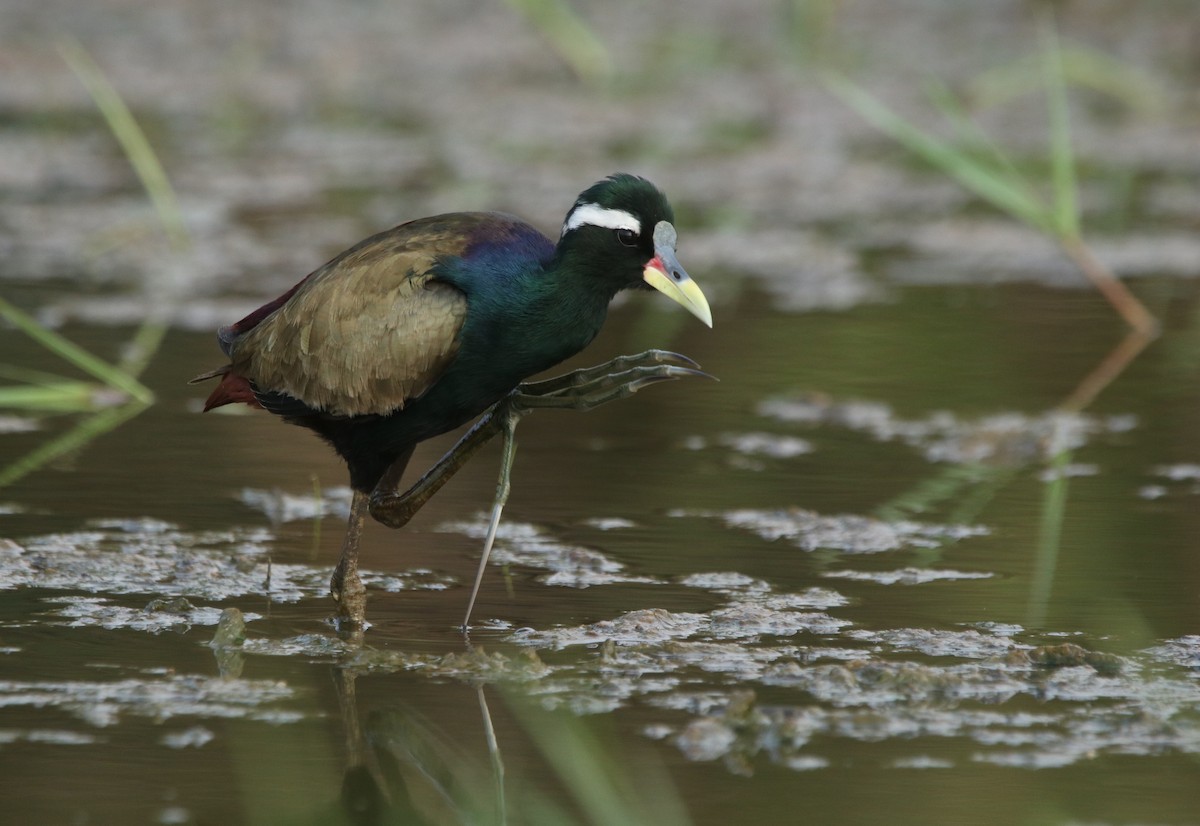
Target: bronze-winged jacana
x=417, y=330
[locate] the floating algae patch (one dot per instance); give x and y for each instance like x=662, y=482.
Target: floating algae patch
x=983, y=692
x=1177, y=479
x=1178, y=473
x=848, y=533
x=313, y=646
x=650, y=625
x=53, y=737
x=571, y=566
x=906, y=576
x=742, y=618
x=1008, y=438
x=1184, y=651
x=281, y=507
x=968, y=643
x=771, y=445
x=609, y=523
x=876, y=683
x=159, y=615
x=990, y=696
x=1081, y=713
x=158, y=698
x=141, y=557
x=746, y=588
x=752, y=447
x=191, y=738
x=159, y=559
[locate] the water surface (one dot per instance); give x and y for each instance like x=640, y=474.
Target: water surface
x=847, y=576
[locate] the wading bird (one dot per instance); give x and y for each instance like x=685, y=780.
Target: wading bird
x=418, y=330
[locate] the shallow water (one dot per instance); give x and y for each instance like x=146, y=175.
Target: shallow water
x=882, y=618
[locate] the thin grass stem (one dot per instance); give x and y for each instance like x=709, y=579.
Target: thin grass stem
x=94, y=366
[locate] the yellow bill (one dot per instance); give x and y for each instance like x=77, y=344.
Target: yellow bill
x=665, y=274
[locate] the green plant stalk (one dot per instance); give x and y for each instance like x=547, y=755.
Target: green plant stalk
x=154, y=180
x=55, y=343
x=998, y=182
x=143, y=346
x=992, y=185
x=1062, y=157
x=63, y=397
x=25, y=375
x=132, y=139
x=604, y=786
x=1054, y=507
x=494, y=753
x=975, y=138
x=1081, y=67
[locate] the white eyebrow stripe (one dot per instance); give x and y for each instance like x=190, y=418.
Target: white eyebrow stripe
x=594, y=215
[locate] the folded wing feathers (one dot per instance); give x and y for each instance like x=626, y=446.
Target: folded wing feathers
x=365, y=337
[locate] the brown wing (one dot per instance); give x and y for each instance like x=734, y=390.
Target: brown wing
x=368, y=331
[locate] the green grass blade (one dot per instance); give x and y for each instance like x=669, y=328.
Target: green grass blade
x=81, y=434
x=569, y=36
x=74, y=354
x=1120, y=81
x=974, y=138
x=604, y=786
x=25, y=375
x=63, y=397
x=1054, y=506
x=1084, y=67
x=143, y=346
x=1008, y=195
x=149, y=170
x=1062, y=156
x=131, y=138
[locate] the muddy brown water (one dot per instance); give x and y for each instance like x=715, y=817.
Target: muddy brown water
x=837, y=582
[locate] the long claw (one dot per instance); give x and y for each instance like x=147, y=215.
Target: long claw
x=606, y=388
x=668, y=357
x=497, y=509
x=675, y=373
x=660, y=371
x=621, y=364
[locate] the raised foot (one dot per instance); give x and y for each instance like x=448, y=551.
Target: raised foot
x=578, y=390
x=591, y=387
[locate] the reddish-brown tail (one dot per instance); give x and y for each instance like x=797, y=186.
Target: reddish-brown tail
x=233, y=389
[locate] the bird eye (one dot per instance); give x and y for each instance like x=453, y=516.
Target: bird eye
x=627, y=237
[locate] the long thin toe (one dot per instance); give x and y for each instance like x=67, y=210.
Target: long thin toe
x=669, y=357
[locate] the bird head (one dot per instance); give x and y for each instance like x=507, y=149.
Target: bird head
x=623, y=227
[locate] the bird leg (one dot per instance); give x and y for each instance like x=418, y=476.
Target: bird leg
x=345, y=584
x=510, y=418
x=394, y=509
x=582, y=389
